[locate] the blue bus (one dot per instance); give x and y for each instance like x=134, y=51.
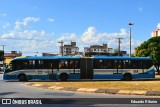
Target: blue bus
x=76, y=68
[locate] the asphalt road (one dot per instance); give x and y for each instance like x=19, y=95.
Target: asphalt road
x=15, y=89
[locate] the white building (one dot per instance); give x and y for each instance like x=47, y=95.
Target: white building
x=69, y=49
x=155, y=33
x=96, y=48
x=110, y=50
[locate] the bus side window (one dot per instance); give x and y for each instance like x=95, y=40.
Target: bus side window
x=71, y=65
x=110, y=64
x=77, y=64
x=32, y=64
x=115, y=64
x=105, y=64
x=147, y=64
x=136, y=64
x=97, y=64
x=25, y=64
x=120, y=64
x=63, y=64
x=125, y=64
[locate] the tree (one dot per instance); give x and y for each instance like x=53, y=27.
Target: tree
x=116, y=52
x=150, y=48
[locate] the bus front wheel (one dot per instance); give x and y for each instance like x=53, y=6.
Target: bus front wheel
x=127, y=77
x=22, y=77
x=63, y=77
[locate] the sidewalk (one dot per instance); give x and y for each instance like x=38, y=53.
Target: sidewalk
x=97, y=90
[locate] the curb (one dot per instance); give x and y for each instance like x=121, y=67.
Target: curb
x=96, y=90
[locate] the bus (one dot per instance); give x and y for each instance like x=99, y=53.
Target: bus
x=76, y=68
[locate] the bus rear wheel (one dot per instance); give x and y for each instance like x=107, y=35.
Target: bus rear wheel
x=127, y=77
x=22, y=77
x=63, y=77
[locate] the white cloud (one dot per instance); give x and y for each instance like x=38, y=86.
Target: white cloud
x=25, y=22
x=26, y=34
x=41, y=41
x=158, y=25
x=35, y=8
x=6, y=25
x=29, y=41
x=67, y=37
x=50, y=20
x=92, y=37
x=3, y=14
x=140, y=9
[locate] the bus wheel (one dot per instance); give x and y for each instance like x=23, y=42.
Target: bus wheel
x=63, y=77
x=127, y=77
x=22, y=77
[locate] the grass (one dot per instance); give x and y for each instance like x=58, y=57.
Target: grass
x=153, y=85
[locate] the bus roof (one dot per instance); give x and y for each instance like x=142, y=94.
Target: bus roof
x=121, y=58
x=46, y=57
x=78, y=57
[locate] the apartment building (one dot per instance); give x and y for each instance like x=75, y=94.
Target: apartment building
x=155, y=33
x=97, y=48
x=71, y=49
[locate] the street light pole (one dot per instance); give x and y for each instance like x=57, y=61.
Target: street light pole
x=130, y=24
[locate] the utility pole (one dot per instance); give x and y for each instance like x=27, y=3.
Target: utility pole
x=61, y=42
x=119, y=44
x=3, y=56
x=130, y=24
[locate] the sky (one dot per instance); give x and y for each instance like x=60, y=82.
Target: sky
x=36, y=26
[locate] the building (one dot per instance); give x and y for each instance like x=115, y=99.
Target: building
x=97, y=48
x=71, y=49
x=49, y=54
x=110, y=50
x=10, y=56
x=155, y=33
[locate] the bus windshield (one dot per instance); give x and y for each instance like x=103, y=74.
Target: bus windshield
x=8, y=67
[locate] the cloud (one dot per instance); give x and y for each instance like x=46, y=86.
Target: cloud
x=35, y=8
x=3, y=14
x=158, y=25
x=140, y=9
x=24, y=40
x=25, y=22
x=91, y=37
x=29, y=41
x=50, y=20
x=67, y=38
x=6, y=25
x=26, y=34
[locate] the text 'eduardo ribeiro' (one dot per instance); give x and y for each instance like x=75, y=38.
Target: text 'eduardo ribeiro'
x=145, y=101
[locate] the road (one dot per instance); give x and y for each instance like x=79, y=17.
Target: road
x=15, y=89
